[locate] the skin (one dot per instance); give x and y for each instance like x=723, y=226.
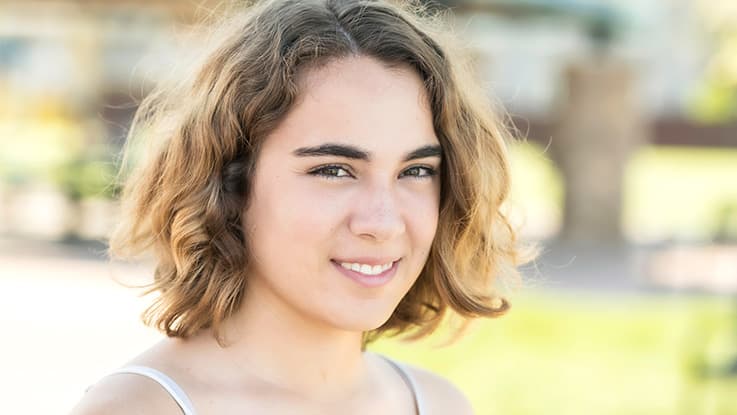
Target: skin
x=295, y=344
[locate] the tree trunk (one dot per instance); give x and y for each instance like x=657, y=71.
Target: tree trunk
x=598, y=127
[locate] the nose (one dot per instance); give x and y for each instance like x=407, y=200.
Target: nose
x=376, y=215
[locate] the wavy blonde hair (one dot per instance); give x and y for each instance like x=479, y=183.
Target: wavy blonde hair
x=184, y=202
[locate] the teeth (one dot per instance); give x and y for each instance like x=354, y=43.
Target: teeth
x=365, y=268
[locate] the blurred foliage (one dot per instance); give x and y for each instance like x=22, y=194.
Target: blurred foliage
x=592, y=354
x=85, y=178
x=537, y=186
x=686, y=193
x=715, y=100
x=48, y=146
x=681, y=193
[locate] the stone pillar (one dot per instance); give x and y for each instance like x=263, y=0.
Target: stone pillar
x=598, y=126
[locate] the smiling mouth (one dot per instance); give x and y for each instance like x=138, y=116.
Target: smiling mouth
x=366, y=269
x=368, y=275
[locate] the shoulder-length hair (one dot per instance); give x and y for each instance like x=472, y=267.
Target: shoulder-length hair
x=186, y=200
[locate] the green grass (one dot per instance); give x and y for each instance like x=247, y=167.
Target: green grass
x=592, y=354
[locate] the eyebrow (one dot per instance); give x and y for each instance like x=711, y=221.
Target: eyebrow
x=352, y=152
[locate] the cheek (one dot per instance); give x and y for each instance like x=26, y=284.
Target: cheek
x=427, y=225
x=290, y=217
x=422, y=217
x=302, y=211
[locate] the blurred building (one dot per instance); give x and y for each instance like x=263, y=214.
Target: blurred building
x=83, y=65
x=528, y=45
x=84, y=48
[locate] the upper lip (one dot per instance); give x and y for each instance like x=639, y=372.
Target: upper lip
x=367, y=260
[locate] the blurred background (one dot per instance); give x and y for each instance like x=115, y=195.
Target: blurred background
x=625, y=175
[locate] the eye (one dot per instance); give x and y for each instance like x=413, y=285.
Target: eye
x=331, y=171
x=419, y=172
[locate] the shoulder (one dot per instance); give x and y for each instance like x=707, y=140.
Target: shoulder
x=124, y=394
x=439, y=394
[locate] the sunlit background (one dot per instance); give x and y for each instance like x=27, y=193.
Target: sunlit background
x=625, y=174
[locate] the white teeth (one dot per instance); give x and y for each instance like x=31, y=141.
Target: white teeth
x=365, y=268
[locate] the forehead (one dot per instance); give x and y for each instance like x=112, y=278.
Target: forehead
x=358, y=101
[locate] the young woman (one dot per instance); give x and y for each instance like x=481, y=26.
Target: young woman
x=329, y=174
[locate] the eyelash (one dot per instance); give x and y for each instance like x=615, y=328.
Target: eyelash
x=322, y=171
x=429, y=172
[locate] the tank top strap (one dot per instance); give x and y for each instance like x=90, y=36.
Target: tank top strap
x=411, y=383
x=171, y=387
x=182, y=400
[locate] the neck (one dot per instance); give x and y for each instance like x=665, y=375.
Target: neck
x=270, y=342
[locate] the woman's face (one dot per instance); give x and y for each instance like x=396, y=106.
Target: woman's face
x=345, y=196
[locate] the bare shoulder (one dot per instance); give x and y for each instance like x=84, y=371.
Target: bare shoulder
x=440, y=395
x=126, y=394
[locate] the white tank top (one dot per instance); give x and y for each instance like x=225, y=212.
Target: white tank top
x=181, y=398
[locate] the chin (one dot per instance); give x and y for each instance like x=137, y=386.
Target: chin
x=361, y=321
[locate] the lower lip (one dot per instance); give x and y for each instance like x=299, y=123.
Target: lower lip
x=369, y=280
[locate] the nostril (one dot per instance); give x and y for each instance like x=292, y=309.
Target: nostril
x=380, y=227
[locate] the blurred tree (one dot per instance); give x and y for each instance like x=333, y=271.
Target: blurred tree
x=85, y=177
x=715, y=101
x=598, y=127
x=597, y=122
